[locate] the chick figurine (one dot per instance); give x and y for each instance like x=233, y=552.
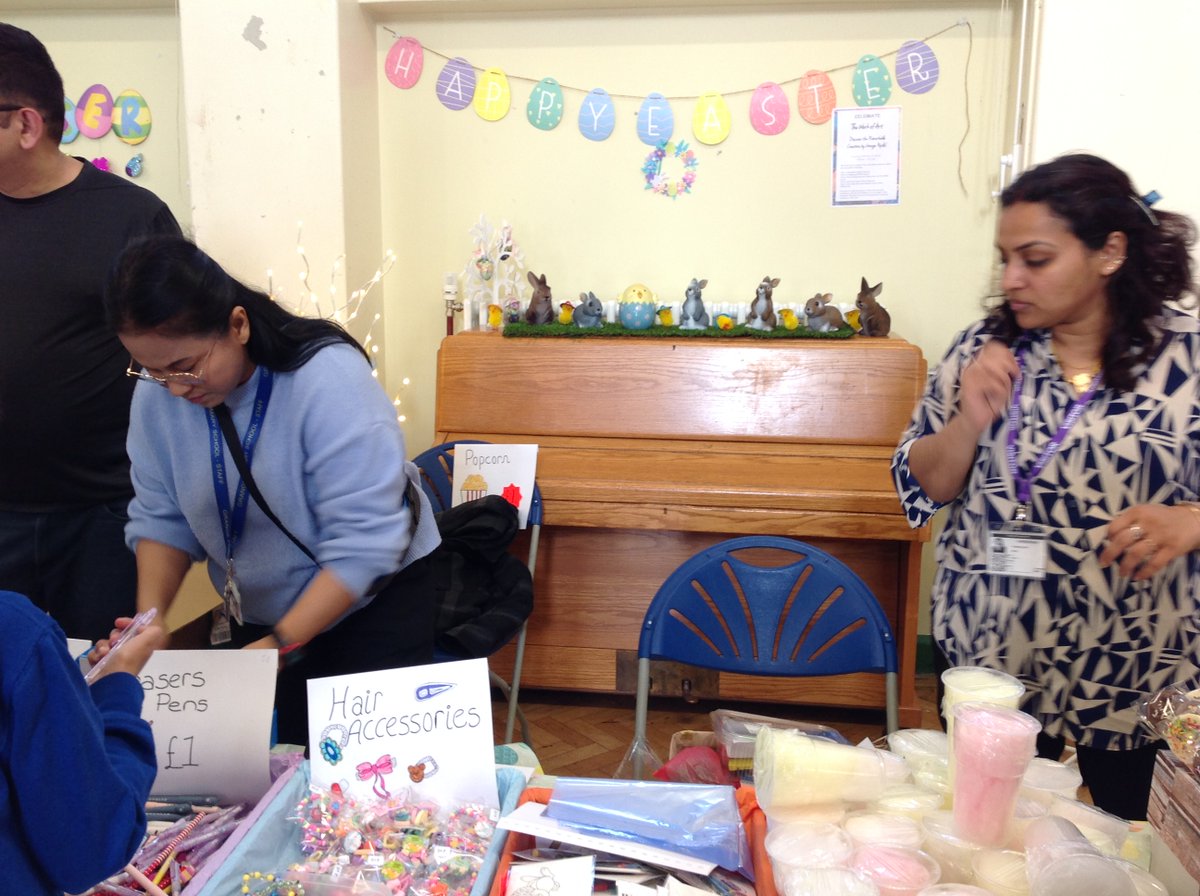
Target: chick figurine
x=724, y=322
x=852, y=319
x=665, y=317
x=565, y=313
x=495, y=316
x=788, y=318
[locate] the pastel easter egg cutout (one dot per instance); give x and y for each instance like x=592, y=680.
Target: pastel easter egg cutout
x=917, y=68
x=93, y=112
x=655, y=121
x=710, y=119
x=597, y=115
x=872, y=82
x=816, y=97
x=131, y=117
x=769, y=109
x=70, y=128
x=545, y=107
x=405, y=62
x=492, y=95
x=456, y=84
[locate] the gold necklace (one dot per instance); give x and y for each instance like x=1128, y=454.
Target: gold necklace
x=1080, y=381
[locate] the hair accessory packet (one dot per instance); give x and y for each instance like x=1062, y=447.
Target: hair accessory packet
x=1173, y=714
x=699, y=820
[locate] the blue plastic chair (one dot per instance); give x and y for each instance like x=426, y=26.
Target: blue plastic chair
x=812, y=615
x=437, y=477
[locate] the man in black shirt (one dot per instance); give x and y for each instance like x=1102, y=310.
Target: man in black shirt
x=64, y=395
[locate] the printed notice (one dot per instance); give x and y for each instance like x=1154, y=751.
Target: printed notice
x=487, y=469
x=866, y=156
x=211, y=712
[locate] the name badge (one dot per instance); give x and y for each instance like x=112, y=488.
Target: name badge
x=1017, y=549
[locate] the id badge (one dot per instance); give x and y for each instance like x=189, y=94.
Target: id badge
x=220, y=633
x=1018, y=549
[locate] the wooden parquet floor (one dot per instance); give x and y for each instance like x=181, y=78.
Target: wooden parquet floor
x=587, y=735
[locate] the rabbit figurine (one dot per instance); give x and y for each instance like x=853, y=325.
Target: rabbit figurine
x=872, y=316
x=541, y=308
x=693, y=316
x=821, y=316
x=589, y=312
x=762, y=309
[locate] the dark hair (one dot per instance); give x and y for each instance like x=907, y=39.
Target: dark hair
x=28, y=77
x=167, y=284
x=1094, y=198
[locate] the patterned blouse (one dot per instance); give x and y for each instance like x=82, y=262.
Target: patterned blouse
x=1085, y=641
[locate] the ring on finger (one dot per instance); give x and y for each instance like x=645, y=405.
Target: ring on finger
x=1137, y=532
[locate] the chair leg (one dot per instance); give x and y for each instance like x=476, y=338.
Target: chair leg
x=516, y=690
x=892, y=687
x=639, y=714
x=504, y=688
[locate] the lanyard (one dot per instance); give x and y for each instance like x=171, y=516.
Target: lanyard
x=233, y=517
x=1024, y=483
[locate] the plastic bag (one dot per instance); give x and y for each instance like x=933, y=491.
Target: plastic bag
x=1174, y=715
x=696, y=765
x=698, y=820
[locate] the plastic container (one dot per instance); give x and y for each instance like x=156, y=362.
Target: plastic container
x=1145, y=883
x=977, y=684
x=955, y=890
x=1107, y=832
x=896, y=870
x=736, y=731
x=920, y=747
x=951, y=851
x=910, y=800
x=992, y=749
x=792, y=769
x=1002, y=871
x=833, y=813
x=868, y=827
x=828, y=882
x=806, y=845
x=1046, y=778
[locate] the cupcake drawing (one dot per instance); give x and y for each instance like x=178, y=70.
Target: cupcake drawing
x=473, y=487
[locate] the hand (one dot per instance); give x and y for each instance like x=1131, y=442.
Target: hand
x=267, y=642
x=134, y=653
x=985, y=386
x=1145, y=538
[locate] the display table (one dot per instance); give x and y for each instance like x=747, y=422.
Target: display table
x=653, y=449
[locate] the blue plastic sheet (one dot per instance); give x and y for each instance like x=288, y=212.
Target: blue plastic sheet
x=698, y=820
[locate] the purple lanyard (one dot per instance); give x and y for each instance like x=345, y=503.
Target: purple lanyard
x=1024, y=483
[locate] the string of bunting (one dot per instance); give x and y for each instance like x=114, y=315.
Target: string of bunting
x=487, y=90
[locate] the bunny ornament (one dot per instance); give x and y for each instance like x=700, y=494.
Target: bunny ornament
x=762, y=309
x=821, y=316
x=541, y=308
x=589, y=312
x=874, y=317
x=693, y=316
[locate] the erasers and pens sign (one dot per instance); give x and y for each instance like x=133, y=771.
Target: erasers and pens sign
x=425, y=730
x=211, y=714
x=505, y=470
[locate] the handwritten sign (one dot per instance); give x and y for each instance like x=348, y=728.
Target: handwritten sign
x=866, y=156
x=211, y=712
x=505, y=470
x=427, y=729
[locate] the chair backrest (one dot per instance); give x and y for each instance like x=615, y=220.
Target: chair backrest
x=437, y=476
x=812, y=615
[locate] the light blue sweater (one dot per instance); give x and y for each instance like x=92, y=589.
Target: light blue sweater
x=330, y=462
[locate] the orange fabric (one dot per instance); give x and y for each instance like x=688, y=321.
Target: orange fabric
x=755, y=822
x=516, y=842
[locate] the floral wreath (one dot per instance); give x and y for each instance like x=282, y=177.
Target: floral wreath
x=657, y=181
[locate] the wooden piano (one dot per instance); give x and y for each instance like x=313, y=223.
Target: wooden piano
x=652, y=449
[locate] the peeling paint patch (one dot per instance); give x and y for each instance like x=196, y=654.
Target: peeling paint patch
x=252, y=33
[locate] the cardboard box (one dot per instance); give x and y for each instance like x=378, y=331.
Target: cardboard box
x=1174, y=812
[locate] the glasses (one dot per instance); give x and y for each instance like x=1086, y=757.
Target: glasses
x=182, y=378
x=9, y=107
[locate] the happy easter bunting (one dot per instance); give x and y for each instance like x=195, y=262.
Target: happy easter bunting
x=917, y=67
x=545, y=107
x=597, y=115
x=655, y=121
x=405, y=62
x=492, y=95
x=710, y=120
x=816, y=97
x=456, y=84
x=769, y=110
x=872, y=82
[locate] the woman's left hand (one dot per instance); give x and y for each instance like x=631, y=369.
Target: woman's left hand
x=1146, y=537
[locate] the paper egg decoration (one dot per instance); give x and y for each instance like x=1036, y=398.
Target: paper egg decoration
x=597, y=116
x=70, y=128
x=545, y=107
x=710, y=119
x=93, y=112
x=492, y=96
x=131, y=117
x=917, y=68
x=769, y=110
x=816, y=97
x=872, y=82
x=456, y=84
x=405, y=62
x=655, y=121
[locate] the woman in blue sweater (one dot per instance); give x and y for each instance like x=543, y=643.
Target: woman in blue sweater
x=76, y=762
x=342, y=590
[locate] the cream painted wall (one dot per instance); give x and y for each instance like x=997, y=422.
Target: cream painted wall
x=124, y=49
x=761, y=204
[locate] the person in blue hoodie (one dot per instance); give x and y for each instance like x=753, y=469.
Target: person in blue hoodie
x=76, y=762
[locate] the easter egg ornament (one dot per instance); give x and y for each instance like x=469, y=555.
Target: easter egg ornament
x=872, y=82
x=769, y=110
x=816, y=97
x=405, y=62
x=456, y=84
x=917, y=67
x=545, y=107
x=93, y=112
x=131, y=117
x=492, y=95
x=135, y=166
x=710, y=120
x=70, y=128
x=655, y=121
x=597, y=115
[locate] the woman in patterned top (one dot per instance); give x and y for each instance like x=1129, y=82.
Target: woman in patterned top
x=1062, y=433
